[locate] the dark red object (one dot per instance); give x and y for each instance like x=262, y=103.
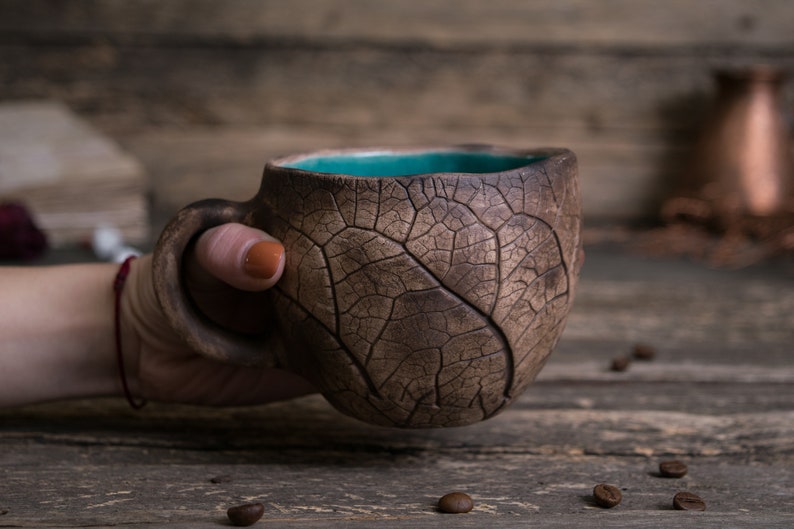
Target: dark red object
x=20, y=238
x=118, y=286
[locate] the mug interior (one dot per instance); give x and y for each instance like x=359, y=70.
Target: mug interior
x=379, y=164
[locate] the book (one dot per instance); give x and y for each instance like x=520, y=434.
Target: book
x=72, y=178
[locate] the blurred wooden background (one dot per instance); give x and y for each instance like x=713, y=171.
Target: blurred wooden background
x=203, y=92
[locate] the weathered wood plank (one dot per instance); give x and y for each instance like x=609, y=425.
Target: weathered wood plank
x=630, y=117
x=703, y=398
x=379, y=88
x=227, y=162
x=297, y=430
x=97, y=463
x=513, y=492
x=338, y=472
x=441, y=22
x=673, y=315
x=625, y=83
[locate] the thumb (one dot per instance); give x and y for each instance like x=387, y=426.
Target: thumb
x=243, y=257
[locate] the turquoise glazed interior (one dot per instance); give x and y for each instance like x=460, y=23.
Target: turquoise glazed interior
x=403, y=164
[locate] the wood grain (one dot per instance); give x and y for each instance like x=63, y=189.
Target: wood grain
x=625, y=83
x=442, y=22
x=227, y=162
x=98, y=463
x=204, y=93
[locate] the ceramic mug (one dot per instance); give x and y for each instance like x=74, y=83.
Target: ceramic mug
x=422, y=287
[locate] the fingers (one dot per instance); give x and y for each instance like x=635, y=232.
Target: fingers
x=243, y=257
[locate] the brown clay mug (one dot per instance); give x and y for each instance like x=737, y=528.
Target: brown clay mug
x=422, y=287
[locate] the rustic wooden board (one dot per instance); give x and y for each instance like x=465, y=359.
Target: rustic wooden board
x=441, y=22
x=204, y=93
x=227, y=162
x=516, y=490
x=631, y=118
x=547, y=89
x=625, y=84
x=722, y=402
x=309, y=466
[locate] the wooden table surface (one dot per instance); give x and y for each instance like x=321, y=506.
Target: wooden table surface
x=719, y=396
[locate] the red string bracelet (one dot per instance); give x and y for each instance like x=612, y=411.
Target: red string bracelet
x=118, y=286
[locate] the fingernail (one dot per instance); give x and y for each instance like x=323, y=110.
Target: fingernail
x=263, y=258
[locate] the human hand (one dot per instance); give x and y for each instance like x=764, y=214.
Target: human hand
x=227, y=272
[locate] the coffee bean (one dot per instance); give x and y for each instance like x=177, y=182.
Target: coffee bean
x=455, y=502
x=686, y=501
x=643, y=351
x=244, y=515
x=672, y=469
x=607, y=495
x=620, y=363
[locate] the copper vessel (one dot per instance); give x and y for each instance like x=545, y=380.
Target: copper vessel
x=742, y=163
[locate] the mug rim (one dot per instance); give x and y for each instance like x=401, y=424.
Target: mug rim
x=535, y=157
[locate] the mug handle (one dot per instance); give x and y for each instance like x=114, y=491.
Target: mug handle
x=201, y=333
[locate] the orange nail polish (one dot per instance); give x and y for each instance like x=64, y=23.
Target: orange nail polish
x=263, y=258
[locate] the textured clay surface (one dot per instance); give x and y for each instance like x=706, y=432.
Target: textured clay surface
x=423, y=302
